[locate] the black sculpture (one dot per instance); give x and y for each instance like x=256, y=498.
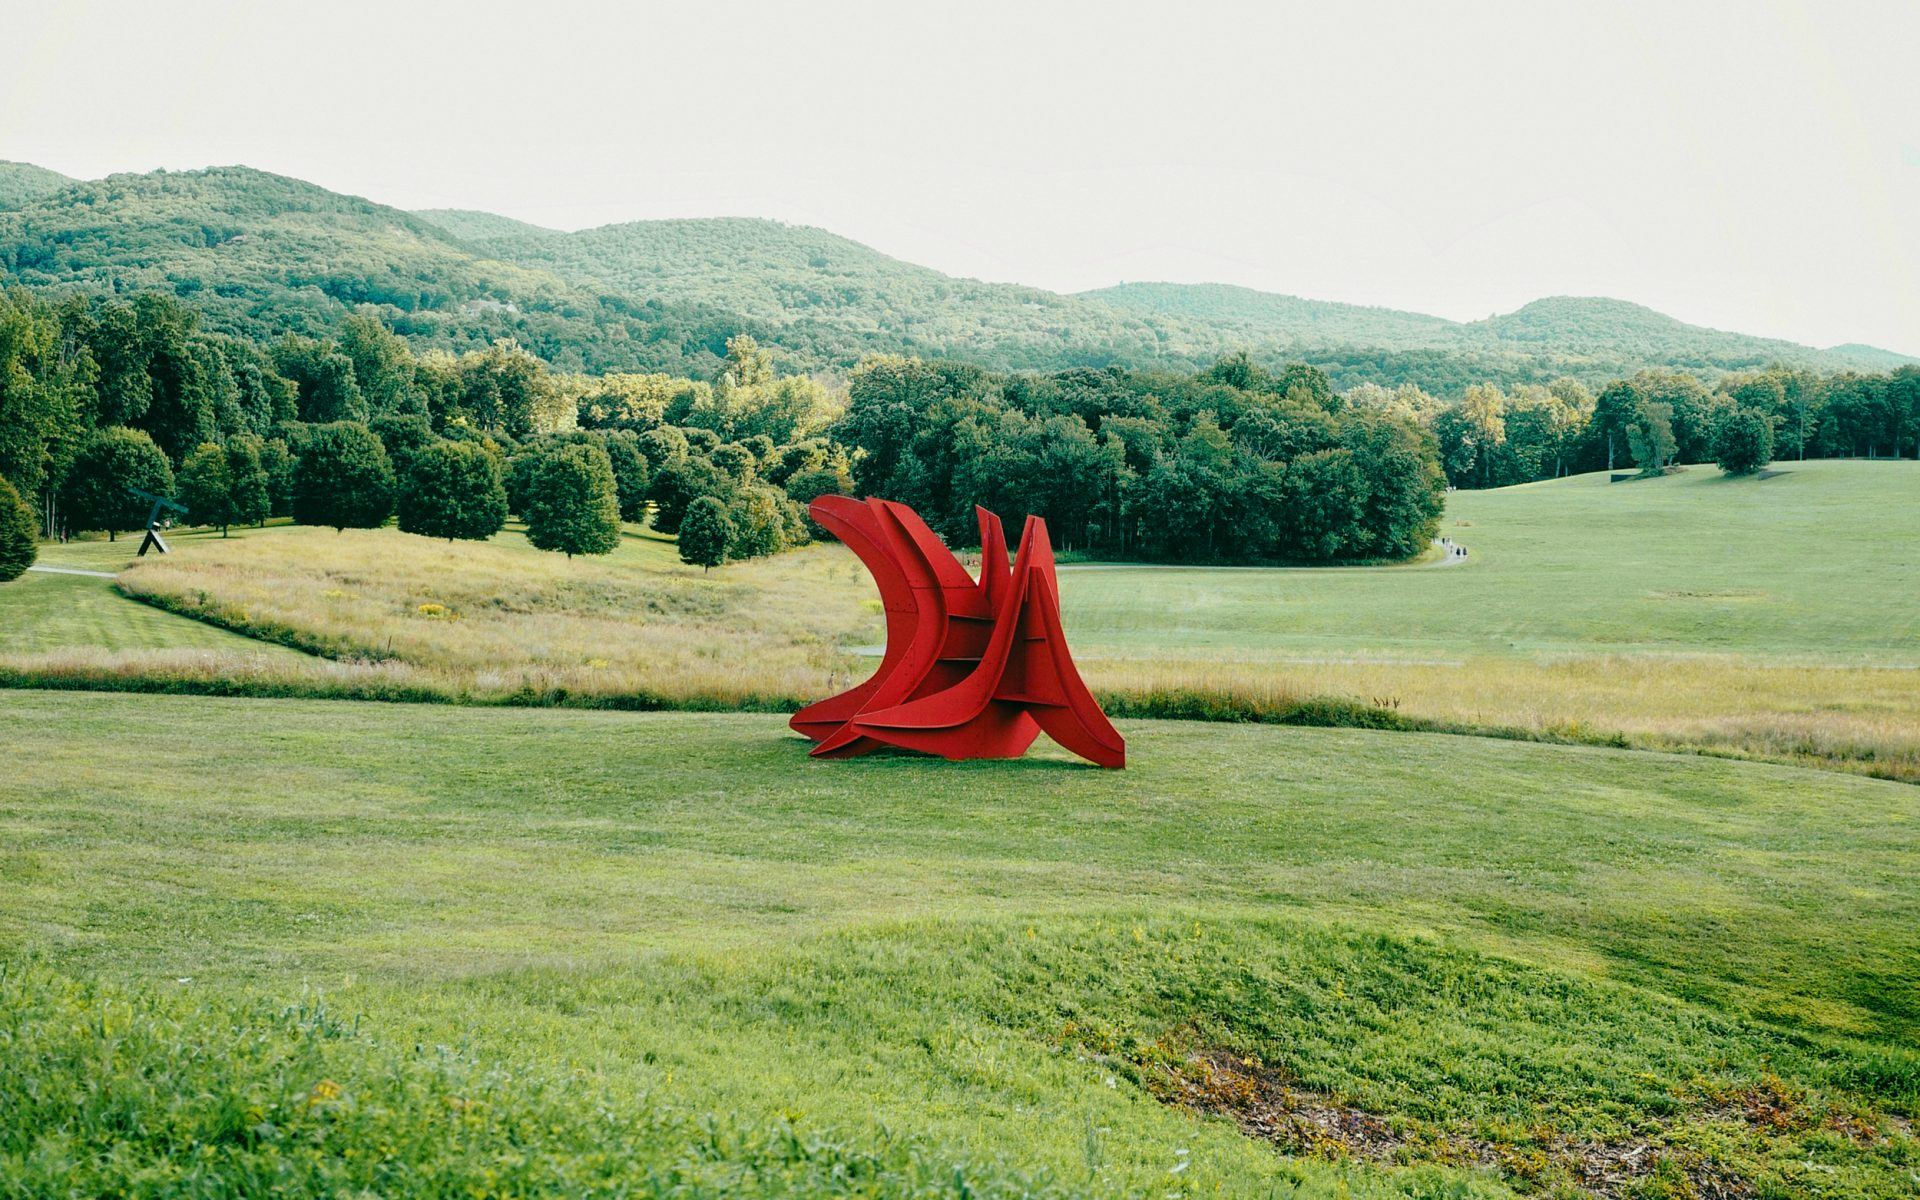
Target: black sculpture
x=153, y=537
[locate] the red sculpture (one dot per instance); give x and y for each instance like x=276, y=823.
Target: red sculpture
x=973, y=668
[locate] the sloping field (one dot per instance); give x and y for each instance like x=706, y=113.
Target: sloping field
x=440, y=950
x=1817, y=565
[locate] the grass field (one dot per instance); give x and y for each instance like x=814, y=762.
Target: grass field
x=1776, y=618
x=46, y=612
x=437, y=950
x=1819, y=564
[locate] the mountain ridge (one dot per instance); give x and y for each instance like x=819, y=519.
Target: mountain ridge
x=21, y=182
x=267, y=253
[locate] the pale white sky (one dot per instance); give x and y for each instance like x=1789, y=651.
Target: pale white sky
x=1751, y=166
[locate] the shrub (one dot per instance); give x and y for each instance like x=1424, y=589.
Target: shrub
x=344, y=478
x=113, y=460
x=706, y=533
x=572, y=505
x=1745, y=443
x=19, y=534
x=453, y=490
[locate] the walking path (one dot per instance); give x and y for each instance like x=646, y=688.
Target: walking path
x=1452, y=554
x=72, y=571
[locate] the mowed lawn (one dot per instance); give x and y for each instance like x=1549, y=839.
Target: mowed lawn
x=310, y=946
x=1818, y=564
x=1775, y=617
x=44, y=611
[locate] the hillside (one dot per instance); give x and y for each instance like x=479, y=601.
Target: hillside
x=1270, y=316
x=472, y=225
x=1573, y=329
x=832, y=299
x=1597, y=324
x=264, y=254
x=24, y=182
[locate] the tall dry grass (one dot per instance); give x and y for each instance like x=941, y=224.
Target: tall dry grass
x=1858, y=718
x=499, y=621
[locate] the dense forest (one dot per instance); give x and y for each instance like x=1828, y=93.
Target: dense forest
x=99, y=395
x=260, y=255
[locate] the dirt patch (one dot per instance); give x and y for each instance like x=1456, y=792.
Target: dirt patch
x=1709, y=594
x=1266, y=1103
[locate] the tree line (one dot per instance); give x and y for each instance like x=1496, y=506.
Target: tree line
x=1232, y=464
x=1236, y=463
x=100, y=395
x=1656, y=419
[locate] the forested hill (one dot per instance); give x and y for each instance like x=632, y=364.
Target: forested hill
x=22, y=182
x=262, y=254
x=1268, y=316
x=472, y=225
x=1583, y=327
x=833, y=300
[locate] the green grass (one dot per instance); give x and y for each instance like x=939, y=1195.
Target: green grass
x=526, y=951
x=1818, y=564
x=42, y=611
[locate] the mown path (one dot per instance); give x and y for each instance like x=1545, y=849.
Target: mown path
x=73, y=571
x=1452, y=554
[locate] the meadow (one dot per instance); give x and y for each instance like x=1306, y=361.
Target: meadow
x=1776, y=618
x=1818, y=564
x=452, y=950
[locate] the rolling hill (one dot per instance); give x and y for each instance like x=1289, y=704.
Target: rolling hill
x=264, y=254
x=472, y=225
x=838, y=299
x=24, y=182
x=1588, y=327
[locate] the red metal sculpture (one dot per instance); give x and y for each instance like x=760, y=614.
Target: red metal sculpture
x=973, y=668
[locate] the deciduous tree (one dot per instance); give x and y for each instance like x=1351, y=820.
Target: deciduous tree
x=1745, y=443
x=453, y=490
x=344, y=478
x=19, y=534
x=113, y=460
x=573, y=505
x=206, y=487
x=706, y=533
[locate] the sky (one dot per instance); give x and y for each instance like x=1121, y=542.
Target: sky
x=1751, y=166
